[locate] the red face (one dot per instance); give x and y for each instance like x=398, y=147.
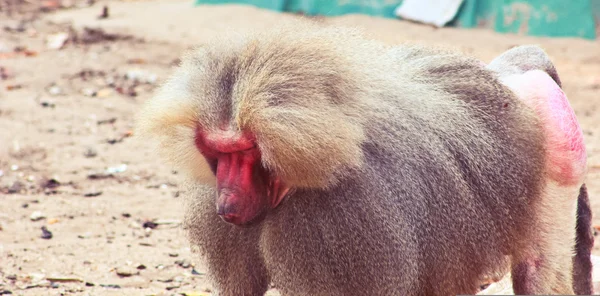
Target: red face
x=245, y=189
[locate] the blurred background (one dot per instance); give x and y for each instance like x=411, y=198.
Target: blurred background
x=87, y=209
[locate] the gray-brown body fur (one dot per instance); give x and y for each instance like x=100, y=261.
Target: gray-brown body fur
x=415, y=171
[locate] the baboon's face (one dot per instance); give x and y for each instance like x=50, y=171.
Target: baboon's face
x=245, y=188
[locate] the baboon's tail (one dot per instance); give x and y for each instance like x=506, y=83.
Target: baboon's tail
x=582, y=262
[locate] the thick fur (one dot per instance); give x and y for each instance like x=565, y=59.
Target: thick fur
x=415, y=170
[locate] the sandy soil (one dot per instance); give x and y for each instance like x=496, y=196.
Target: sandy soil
x=68, y=163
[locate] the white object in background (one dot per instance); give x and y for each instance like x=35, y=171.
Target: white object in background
x=435, y=12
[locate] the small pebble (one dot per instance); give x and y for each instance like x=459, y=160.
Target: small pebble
x=47, y=104
x=173, y=254
x=88, y=92
x=46, y=234
x=92, y=193
x=149, y=224
x=85, y=235
x=14, y=167
x=126, y=215
x=64, y=279
x=90, y=152
x=55, y=90
x=36, y=216
x=125, y=271
x=16, y=187
x=195, y=272
x=183, y=263
x=105, y=92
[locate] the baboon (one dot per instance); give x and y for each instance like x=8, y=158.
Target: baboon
x=327, y=163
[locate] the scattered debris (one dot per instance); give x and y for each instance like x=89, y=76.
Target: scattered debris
x=115, y=141
x=11, y=87
x=92, y=193
x=88, y=92
x=194, y=293
x=126, y=215
x=118, y=169
x=149, y=224
x=167, y=222
x=5, y=292
x=108, y=173
x=51, y=183
x=46, y=234
x=64, y=279
x=146, y=244
x=136, y=61
x=5, y=74
x=36, y=216
x=165, y=280
x=103, y=93
x=104, y=14
x=90, y=152
x=141, y=267
x=107, y=121
x=47, y=104
x=54, y=90
x=126, y=271
x=195, y=272
x=173, y=255
x=53, y=221
x=16, y=187
x=139, y=75
x=18, y=51
x=183, y=263
x=18, y=27
x=95, y=35
x=112, y=286
x=49, y=5
x=57, y=41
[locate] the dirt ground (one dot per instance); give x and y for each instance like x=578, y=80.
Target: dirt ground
x=70, y=84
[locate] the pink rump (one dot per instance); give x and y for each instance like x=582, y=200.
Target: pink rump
x=566, y=149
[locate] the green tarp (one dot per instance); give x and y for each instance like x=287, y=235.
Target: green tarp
x=557, y=18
